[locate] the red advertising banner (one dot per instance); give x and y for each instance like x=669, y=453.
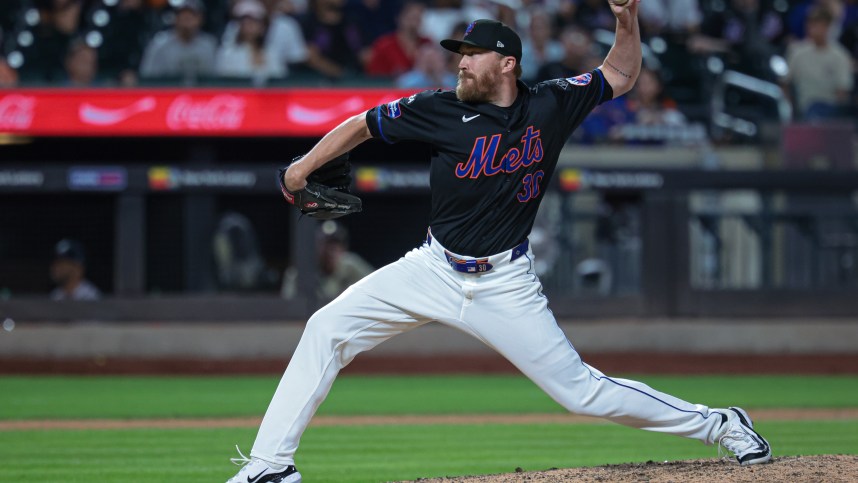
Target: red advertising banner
x=183, y=112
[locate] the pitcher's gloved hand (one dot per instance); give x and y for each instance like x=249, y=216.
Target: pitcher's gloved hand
x=326, y=195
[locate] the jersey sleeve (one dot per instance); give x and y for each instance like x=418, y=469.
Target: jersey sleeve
x=411, y=118
x=578, y=96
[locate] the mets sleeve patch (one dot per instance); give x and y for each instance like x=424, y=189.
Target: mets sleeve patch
x=393, y=109
x=581, y=80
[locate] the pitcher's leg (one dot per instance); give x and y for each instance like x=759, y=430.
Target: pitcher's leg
x=392, y=300
x=537, y=346
x=636, y=404
x=353, y=323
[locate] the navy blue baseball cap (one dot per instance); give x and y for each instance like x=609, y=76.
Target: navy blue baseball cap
x=490, y=35
x=70, y=250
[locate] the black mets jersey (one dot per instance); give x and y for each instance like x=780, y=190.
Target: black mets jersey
x=490, y=164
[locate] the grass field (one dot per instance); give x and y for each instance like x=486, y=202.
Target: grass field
x=376, y=453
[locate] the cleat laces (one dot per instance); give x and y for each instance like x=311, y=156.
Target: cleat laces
x=242, y=461
x=737, y=441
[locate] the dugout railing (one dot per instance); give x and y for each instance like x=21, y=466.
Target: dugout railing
x=612, y=243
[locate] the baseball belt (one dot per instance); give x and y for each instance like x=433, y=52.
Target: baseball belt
x=479, y=265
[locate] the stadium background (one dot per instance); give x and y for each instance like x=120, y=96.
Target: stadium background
x=709, y=228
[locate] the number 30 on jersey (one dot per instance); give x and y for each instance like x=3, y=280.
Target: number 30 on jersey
x=531, y=186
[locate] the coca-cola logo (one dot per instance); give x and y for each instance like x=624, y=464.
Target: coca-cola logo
x=218, y=113
x=103, y=116
x=314, y=116
x=16, y=112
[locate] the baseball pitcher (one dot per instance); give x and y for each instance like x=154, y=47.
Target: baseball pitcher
x=496, y=143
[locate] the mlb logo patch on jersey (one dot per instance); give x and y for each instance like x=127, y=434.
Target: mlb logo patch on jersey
x=393, y=110
x=580, y=80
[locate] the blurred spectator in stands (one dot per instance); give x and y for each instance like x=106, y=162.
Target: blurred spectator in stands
x=539, y=46
x=122, y=31
x=636, y=117
x=659, y=17
x=563, y=13
x=849, y=39
x=745, y=34
x=291, y=8
x=375, y=17
x=39, y=44
x=458, y=32
x=441, y=18
x=8, y=75
x=430, y=70
x=668, y=25
x=338, y=267
x=334, y=41
x=68, y=270
x=183, y=51
x=81, y=64
x=249, y=56
x=594, y=14
x=820, y=71
x=578, y=48
x=842, y=14
x=648, y=105
x=64, y=15
x=393, y=54
x=284, y=39
x=505, y=11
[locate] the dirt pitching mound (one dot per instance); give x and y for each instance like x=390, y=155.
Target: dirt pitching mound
x=827, y=468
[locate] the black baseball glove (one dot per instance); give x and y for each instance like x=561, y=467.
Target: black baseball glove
x=326, y=195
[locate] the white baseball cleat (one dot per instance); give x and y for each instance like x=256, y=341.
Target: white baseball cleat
x=257, y=471
x=739, y=437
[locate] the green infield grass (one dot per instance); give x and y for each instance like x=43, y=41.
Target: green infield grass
x=375, y=453
x=194, y=397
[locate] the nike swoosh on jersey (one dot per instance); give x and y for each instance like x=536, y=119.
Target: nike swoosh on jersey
x=467, y=119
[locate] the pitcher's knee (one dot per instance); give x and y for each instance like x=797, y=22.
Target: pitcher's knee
x=322, y=324
x=330, y=330
x=577, y=395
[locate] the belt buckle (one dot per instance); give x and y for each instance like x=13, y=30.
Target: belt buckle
x=478, y=265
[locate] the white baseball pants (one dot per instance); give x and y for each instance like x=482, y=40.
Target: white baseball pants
x=504, y=308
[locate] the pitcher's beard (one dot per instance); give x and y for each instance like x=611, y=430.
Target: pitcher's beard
x=480, y=88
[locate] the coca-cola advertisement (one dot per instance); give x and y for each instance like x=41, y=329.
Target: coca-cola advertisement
x=109, y=116
x=185, y=112
x=218, y=113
